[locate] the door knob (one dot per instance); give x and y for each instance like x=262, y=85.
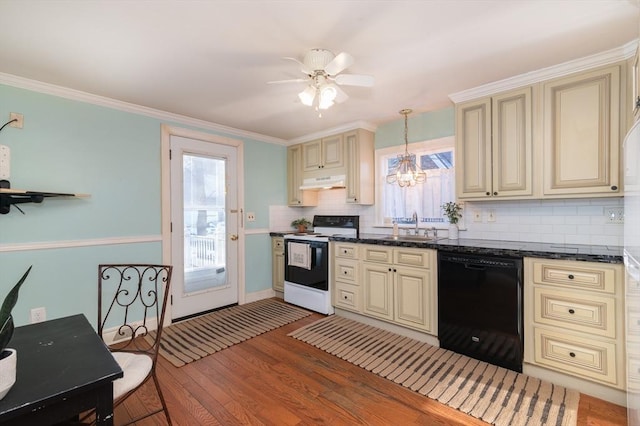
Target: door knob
x=234, y=237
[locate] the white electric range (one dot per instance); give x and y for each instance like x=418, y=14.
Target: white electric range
x=307, y=262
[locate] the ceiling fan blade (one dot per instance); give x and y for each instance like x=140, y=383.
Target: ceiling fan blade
x=303, y=67
x=341, y=96
x=295, y=80
x=339, y=63
x=355, y=80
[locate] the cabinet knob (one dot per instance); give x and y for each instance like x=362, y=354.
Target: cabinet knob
x=571, y=311
x=495, y=193
x=389, y=269
x=488, y=193
x=345, y=272
x=572, y=354
x=571, y=276
x=614, y=188
x=345, y=297
x=394, y=270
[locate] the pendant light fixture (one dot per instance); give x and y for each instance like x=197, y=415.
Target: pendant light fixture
x=406, y=172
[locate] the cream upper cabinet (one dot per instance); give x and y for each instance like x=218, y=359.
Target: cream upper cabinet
x=494, y=146
x=325, y=153
x=581, y=133
x=360, y=167
x=295, y=196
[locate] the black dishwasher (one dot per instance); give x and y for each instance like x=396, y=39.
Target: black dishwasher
x=480, y=307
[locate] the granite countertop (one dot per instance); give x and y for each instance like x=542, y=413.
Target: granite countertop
x=590, y=253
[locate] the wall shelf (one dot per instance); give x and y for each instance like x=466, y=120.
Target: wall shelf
x=11, y=197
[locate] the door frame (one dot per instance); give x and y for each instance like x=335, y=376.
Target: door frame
x=166, y=132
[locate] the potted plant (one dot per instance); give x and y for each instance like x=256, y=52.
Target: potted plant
x=8, y=357
x=301, y=224
x=453, y=212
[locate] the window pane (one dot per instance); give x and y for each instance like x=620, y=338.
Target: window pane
x=398, y=204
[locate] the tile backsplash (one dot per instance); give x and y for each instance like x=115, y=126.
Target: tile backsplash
x=569, y=221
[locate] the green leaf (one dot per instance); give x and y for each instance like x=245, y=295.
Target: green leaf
x=6, y=320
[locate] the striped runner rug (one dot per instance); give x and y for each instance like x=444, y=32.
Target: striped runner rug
x=190, y=340
x=493, y=394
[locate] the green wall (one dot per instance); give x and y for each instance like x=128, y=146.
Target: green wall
x=67, y=145
x=421, y=127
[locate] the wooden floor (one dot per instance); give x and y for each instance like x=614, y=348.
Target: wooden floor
x=273, y=379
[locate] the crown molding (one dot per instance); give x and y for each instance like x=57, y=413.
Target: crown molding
x=600, y=59
x=77, y=95
x=334, y=130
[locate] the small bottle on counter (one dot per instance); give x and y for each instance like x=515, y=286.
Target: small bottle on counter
x=395, y=229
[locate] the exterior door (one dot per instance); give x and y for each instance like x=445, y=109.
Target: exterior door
x=204, y=222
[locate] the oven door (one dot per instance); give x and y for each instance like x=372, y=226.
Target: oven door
x=318, y=275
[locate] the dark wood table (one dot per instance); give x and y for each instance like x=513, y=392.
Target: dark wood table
x=64, y=368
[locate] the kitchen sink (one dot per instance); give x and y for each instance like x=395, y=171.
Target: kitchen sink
x=410, y=238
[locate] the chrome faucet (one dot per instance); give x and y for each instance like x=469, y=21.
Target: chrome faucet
x=415, y=219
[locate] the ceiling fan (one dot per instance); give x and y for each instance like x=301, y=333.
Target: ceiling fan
x=323, y=70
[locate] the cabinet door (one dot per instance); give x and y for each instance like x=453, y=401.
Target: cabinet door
x=413, y=298
x=295, y=196
x=312, y=156
x=377, y=288
x=353, y=168
x=635, y=85
x=360, y=170
x=582, y=134
x=511, y=143
x=473, y=149
x=278, y=271
x=333, y=152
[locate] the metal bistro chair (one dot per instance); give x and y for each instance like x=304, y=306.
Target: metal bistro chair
x=132, y=301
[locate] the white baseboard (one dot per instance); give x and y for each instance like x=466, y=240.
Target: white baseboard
x=259, y=295
x=110, y=335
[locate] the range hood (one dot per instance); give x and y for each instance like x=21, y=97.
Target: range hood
x=324, y=182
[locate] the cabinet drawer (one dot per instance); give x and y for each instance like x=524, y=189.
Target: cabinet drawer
x=586, y=276
x=589, y=313
x=347, y=251
x=633, y=367
x=572, y=354
x=378, y=254
x=346, y=270
x=347, y=296
x=277, y=244
x=409, y=257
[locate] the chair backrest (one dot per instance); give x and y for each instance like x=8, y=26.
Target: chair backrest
x=132, y=302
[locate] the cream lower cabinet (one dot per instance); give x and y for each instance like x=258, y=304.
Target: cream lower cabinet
x=346, y=276
x=277, y=263
x=574, y=319
x=399, y=285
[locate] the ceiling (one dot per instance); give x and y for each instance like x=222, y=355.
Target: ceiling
x=211, y=60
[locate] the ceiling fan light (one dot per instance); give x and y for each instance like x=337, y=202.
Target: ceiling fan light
x=325, y=103
x=328, y=92
x=307, y=95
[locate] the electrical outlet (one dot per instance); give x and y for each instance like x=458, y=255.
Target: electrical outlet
x=19, y=120
x=38, y=315
x=491, y=215
x=477, y=216
x=5, y=157
x=615, y=215
x=251, y=217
